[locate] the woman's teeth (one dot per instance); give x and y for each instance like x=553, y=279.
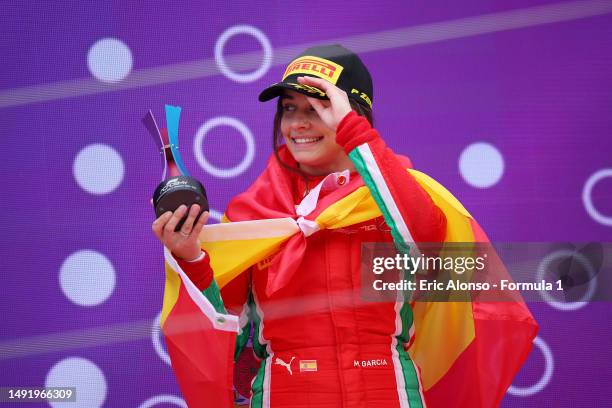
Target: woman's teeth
x=306, y=140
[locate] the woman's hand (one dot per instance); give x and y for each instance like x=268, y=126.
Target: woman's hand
x=332, y=112
x=183, y=243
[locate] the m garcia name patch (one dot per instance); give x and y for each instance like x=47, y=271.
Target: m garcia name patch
x=370, y=363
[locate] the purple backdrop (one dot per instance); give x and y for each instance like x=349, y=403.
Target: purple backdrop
x=507, y=104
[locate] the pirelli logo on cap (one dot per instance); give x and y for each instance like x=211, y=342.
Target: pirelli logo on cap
x=308, y=365
x=316, y=66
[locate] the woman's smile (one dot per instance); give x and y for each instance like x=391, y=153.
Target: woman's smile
x=306, y=140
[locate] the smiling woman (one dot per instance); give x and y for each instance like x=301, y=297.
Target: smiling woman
x=338, y=185
x=299, y=113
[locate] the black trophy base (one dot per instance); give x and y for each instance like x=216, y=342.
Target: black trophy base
x=170, y=194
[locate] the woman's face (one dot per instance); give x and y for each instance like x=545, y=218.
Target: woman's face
x=310, y=141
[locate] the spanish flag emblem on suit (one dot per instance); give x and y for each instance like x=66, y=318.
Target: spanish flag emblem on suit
x=308, y=365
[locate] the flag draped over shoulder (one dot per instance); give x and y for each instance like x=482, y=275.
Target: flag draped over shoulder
x=190, y=326
x=468, y=352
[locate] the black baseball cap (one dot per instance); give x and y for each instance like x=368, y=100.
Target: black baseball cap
x=335, y=64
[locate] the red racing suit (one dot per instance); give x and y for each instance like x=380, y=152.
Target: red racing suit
x=320, y=344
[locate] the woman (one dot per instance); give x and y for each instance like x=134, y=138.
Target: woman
x=320, y=343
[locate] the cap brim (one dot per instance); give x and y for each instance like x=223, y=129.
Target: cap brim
x=277, y=89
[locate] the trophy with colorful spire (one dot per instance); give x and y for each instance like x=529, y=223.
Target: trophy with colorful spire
x=177, y=187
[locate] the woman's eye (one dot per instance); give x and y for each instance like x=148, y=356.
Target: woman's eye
x=288, y=108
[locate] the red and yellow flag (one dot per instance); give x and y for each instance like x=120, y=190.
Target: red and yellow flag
x=200, y=341
x=468, y=352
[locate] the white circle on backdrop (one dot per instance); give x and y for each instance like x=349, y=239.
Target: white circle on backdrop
x=87, y=278
x=588, y=201
x=549, y=365
x=109, y=60
x=163, y=399
x=98, y=169
x=567, y=306
x=481, y=165
x=81, y=373
x=263, y=41
x=247, y=136
x=156, y=337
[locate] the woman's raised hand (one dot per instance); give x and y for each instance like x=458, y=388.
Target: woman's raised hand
x=183, y=243
x=336, y=109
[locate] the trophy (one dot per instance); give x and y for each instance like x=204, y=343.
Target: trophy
x=179, y=188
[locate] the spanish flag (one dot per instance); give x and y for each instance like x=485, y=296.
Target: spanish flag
x=468, y=352
x=192, y=329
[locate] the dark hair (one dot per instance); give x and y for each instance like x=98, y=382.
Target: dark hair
x=277, y=136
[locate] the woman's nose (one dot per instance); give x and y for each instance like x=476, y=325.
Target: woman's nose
x=300, y=122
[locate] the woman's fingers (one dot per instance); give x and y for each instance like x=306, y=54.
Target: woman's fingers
x=332, y=91
x=160, y=223
x=188, y=224
x=316, y=104
x=197, y=228
x=318, y=82
x=174, y=220
x=332, y=111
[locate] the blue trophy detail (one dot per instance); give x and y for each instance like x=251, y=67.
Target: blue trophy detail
x=179, y=188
